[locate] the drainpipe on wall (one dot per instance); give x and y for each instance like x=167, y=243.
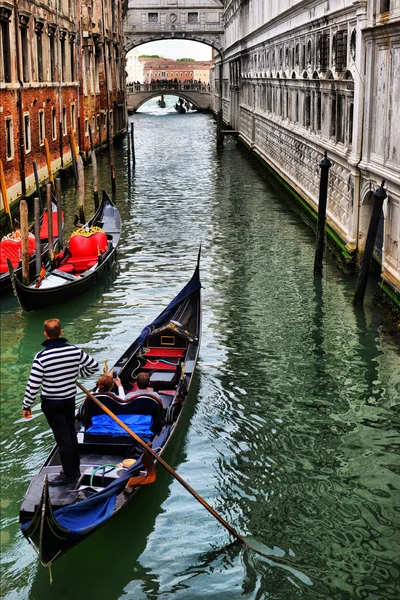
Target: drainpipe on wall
x=361, y=66
x=77, y=46
x=220, y=136
x=60, y=126
x=20, y=105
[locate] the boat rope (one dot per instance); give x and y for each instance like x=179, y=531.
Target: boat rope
x=161, y=360
x=99, y=469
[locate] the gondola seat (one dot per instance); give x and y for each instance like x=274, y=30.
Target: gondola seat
x=10, y=248
x=138, y=416
x=44, y=227
x=84, y=251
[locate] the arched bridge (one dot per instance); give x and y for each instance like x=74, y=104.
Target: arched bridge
x=152, y=20
x=197, y=94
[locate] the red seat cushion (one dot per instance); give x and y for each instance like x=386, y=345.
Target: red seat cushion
x=82, y=246
x=44, y=228
x=79, y=264
x=67, y=268
x=12, y=249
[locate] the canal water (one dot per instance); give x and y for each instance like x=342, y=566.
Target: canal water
x=291, y=430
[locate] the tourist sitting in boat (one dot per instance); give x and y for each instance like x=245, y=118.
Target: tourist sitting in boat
x=147, y=402
x=105, y=385
x=143, y=389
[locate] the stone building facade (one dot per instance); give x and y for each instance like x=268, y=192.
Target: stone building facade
x=167, y=69
x=303, y=76
x=61, y=69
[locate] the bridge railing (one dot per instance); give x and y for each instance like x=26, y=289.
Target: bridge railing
x=161, y=86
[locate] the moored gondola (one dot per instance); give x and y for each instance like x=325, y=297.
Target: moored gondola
x=89, y=256
x=10, y=248
x=113, y=465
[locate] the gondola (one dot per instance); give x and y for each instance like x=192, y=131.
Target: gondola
x=180, y=109
x=55, y=518
x=90, y=254
x=10, y=248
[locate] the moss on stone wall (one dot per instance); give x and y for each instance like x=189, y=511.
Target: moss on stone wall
x=345, y=258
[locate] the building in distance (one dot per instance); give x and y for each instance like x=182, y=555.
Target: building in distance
x=179, y=71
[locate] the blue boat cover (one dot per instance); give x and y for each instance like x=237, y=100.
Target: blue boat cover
x=190, y=288
x=105, y=425
x=80, y=518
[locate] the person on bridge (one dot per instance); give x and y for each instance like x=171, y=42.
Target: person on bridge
x=56, y=370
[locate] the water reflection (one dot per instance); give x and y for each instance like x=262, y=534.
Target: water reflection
x=292, y=437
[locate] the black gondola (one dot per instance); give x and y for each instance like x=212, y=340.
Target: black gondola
x=10, y=246
x=91, y=253
x=54, y=519
x=180, y=108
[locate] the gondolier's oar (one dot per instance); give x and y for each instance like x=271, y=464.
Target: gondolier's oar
x=176, y=476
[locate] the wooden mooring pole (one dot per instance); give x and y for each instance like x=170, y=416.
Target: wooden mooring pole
x=23, y=216
x=93, y=159
x=379, y=196
x=74, y=166
x=38, y=257
x=37, y=184
x=133, y=143
x=325, y=165
x=128, y=136
x=81, y=189
x=59, y=214
x=48, y=161
x=3, y=189
x=49, y=206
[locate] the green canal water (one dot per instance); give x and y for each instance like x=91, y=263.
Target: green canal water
x=291, y=431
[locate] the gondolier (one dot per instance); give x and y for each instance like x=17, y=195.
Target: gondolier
x=56, y=370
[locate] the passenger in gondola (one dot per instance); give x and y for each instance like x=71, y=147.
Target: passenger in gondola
x=107, y=384
x=147, y=402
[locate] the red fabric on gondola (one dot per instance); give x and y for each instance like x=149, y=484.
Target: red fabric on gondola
x=156, y=365
x=66, y=268
x=12, y=249
x=84, y=251
x=82, y=246
x=44, y=227
x=165, y=352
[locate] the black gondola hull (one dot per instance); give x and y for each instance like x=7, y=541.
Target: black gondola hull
x=31, y=298
x=40, y=511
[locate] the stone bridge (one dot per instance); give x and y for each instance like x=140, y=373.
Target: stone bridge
x=197, y=94
x=152, y=20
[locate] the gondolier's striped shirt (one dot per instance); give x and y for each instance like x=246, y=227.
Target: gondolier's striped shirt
x=56, y=369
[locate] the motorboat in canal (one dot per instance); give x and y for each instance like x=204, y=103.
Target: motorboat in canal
x=89, y=256
x=11, y=248
x=114, y=466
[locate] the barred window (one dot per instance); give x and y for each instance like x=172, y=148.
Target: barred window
x=341, y=51
x=152, y=17
x=193, y=17
x=9, y=139
x=323, y=52
x=41, y=127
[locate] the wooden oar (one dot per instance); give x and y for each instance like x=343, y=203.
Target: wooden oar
x=177, y=477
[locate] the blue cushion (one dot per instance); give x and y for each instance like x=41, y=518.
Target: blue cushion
x=105, y=425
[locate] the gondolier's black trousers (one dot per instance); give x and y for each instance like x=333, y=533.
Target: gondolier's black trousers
x=60, y=415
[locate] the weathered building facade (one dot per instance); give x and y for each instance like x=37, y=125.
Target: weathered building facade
x=302, y=76
x=61, y=70
x=167, y=69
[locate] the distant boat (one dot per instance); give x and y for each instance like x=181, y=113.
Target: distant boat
x=180, y=109
x=161, y=103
